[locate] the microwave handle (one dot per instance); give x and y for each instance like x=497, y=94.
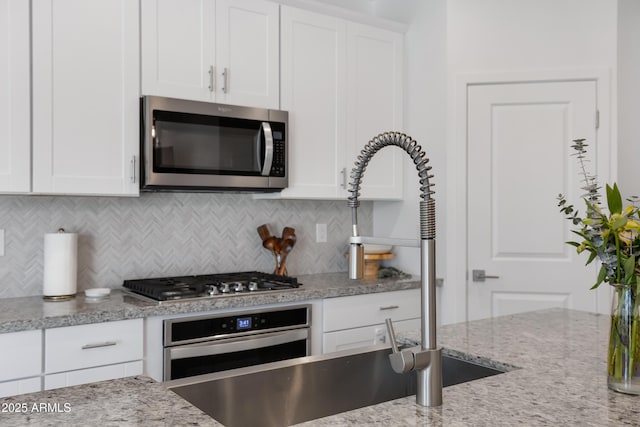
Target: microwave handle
x=265, y=129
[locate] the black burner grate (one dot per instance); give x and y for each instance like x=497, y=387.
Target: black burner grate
x=183, y=287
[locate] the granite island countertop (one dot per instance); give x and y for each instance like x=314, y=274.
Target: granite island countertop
x=26, y=313
x=561, y=381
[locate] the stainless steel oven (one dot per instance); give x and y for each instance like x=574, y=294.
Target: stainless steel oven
x=213, y=343
x=202, y=146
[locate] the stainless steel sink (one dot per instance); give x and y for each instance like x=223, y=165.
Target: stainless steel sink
x=298, y=390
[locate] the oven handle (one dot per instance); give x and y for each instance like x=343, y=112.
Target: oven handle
x=233, y=345
x=268, y=148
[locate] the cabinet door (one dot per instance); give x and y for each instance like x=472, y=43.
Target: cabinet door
x=21, y=354
x=247, y=53
x=178, y=48
x=365, y=336
x=85, y=96
x=15, y=125
x=27, y=385
x=92, y=375
x=375, y=106
x=313, y=90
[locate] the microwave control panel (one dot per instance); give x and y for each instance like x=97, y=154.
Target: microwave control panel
x=278, y=167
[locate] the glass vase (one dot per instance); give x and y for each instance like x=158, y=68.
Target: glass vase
x=624, y=340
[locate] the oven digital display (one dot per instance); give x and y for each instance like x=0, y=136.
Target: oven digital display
x=243, y=323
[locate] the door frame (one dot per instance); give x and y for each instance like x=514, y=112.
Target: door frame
x=455, y=297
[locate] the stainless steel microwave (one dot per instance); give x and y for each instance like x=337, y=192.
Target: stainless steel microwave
x=202, y=146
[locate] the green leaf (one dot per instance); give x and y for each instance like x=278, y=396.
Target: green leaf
x=619, y=223
x=591, y=257
x=629, y=268
x=614, y=199
x=601, y=276
x=574, y=244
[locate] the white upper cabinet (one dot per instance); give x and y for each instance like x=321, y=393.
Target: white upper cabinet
x=314, y=91
x=225, y=51
x=375, y=106
x=178, y=53
x=85, y=96
x=15, y=125
x=247, y=52
x=342, y=84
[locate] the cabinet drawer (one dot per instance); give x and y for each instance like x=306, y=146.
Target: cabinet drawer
x=20, y=354
x=28, y=385
x=92, y=375
x=371, y=309
x=85, y=346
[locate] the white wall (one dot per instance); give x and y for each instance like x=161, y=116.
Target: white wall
x=449, y=37
x=629, y=96
x=503, y=35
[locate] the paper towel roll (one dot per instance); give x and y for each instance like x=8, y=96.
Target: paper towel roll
x=60, y=264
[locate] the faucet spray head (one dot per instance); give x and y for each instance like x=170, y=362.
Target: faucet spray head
x=356, y=261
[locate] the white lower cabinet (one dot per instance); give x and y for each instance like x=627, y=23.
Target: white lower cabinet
x=20, y=362
x=365, y=336
x=91, y=375
x=28, y=385
x=95, y=352
x=358, y=321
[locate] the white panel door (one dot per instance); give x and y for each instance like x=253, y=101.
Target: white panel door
x=247, y=53
x=86, y=89
x=178, y=48
x=519, y=138
x=375, y=59
x=15, y=124
x=313, y=85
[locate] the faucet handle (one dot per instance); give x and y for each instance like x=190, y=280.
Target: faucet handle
x=392, y=335
x=401, y=361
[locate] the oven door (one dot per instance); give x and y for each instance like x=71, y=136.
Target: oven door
x=220, y=355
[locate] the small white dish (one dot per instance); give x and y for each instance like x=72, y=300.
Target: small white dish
x=377, y=249
x=97, y=292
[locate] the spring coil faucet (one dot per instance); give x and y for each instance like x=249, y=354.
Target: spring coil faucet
x=426, y=359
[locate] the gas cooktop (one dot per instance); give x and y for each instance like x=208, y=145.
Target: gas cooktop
x=183, y=288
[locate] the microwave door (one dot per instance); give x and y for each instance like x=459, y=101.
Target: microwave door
x=266, y=135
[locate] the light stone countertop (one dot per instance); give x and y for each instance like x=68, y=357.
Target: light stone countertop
x=561, y=382
x=26, y=313
x=133, y=401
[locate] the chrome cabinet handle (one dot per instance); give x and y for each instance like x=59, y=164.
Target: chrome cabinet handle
x=212, y=77
x=133, y=169
x=389, y=307
x=99, y=345
x=225, y=77
x=343, y=172
x=480, y=276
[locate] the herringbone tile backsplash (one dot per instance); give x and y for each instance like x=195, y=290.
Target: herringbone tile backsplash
x=168, y=234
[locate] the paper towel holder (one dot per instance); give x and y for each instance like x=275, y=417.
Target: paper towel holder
x=59, y=288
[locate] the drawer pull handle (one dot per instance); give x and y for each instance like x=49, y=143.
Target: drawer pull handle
x=389, y=307
x=98, y=345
